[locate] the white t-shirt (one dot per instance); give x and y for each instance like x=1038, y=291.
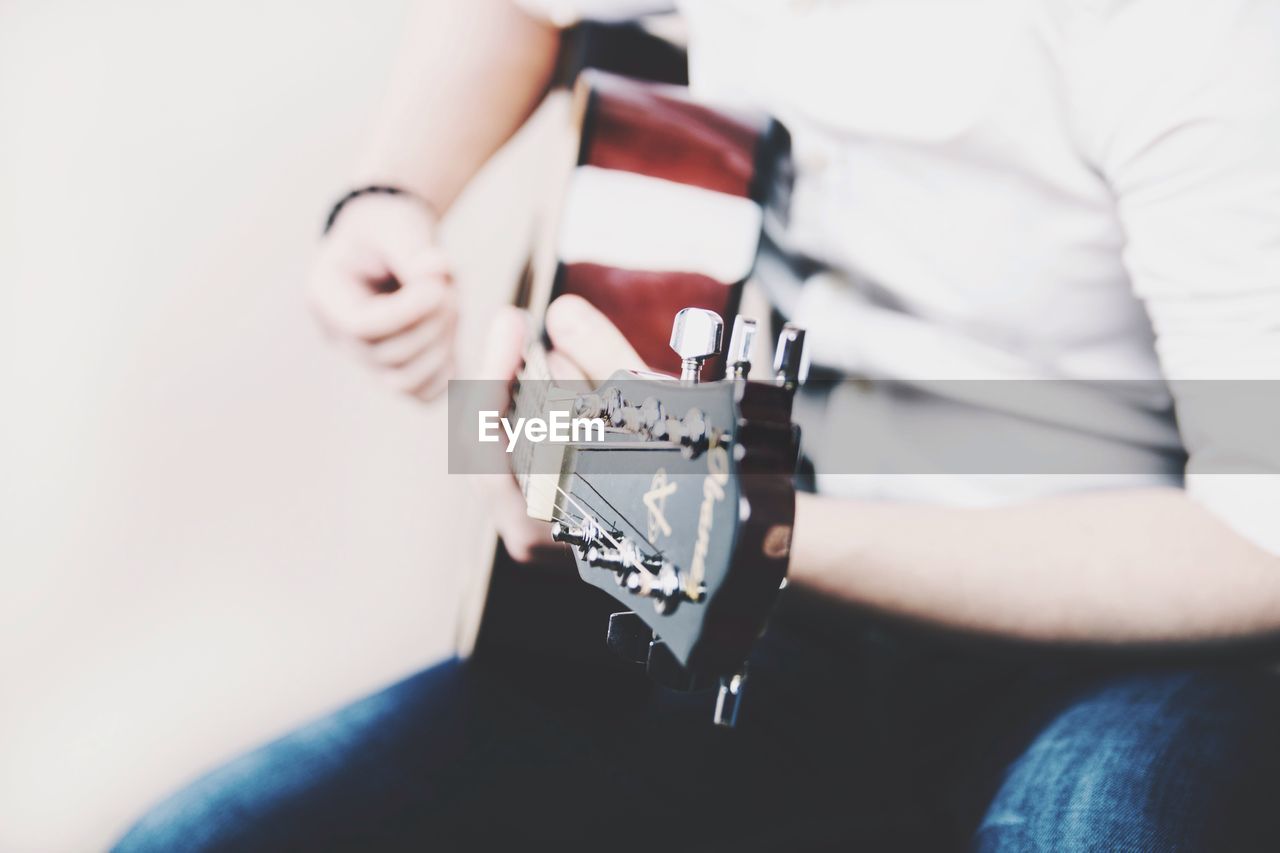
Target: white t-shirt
x=1042, y=189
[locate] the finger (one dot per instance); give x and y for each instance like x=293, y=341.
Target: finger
x=399, y=350
x=437, y=385
x=564, y=369
x=325, y=295
x=373, y=316
x=423, y=265
x=504, y=347
x=407, y=241
x=490, y=387
x=349, y=306
x=586, y=337
x=491, y=391
x=420, y=372
x=399, y=249
x=523, y=536
x=422, y=262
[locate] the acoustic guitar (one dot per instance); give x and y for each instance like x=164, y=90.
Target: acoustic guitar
x=681, y=513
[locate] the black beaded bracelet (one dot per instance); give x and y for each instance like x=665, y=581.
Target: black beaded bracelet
x=372, y=189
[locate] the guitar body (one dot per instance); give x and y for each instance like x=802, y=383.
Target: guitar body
x=662, y=210
x=670, y=194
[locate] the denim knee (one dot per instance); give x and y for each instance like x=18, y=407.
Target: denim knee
x=1151, y=763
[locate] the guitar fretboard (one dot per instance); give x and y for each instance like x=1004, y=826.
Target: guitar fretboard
x=529, y=400
x=539, y=467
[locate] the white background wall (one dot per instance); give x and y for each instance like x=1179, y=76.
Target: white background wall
x=212, y=526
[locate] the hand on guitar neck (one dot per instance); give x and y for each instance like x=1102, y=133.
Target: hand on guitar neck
x=680, y=508
x=584, y=345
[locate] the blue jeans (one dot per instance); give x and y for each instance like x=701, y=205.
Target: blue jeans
x=874, y=748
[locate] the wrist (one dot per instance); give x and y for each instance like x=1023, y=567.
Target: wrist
x=831, y=539
x=362, y=194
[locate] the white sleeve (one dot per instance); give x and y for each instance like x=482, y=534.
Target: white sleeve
x=1179, y=107
x=563, y=13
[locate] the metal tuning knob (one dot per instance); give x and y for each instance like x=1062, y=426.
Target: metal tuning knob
x=789, y=363
x=729, y=698
x=613, y=405
x=652, y=416
x=588, y=406
x=738, y=356
x=695, y=336
x=662, y=587
x=606, y=558
x=582, y=536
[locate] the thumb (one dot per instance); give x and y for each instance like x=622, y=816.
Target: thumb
x=489, y=390
x=504, y=346
x=583, y=335
x=411, y=254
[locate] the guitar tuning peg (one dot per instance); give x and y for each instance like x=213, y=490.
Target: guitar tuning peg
x=579, y=537
x=613, y=404
x=588, y=406
x=652, y=416
x=628, y=637
x=696, y=335
x=729, y=698
x=738, y=356
x=789, y=363
x=694, y=431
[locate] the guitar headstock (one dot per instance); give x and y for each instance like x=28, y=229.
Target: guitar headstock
x=683, y=511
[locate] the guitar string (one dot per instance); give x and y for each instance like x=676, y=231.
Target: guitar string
x=579, y=517
x=658, y=551
x=530, y=370
x=596, y=514
x=612, y=541
x=603, y=532
x=617, y=515
x=534, y=368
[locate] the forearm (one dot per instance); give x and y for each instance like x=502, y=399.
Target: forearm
x=468, y=75
x=1104, y=567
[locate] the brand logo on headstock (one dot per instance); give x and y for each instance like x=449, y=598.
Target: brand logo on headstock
x=655, y=500
x=712, y=493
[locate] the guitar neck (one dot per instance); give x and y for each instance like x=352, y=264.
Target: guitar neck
x=539, y=467
x=529, y=399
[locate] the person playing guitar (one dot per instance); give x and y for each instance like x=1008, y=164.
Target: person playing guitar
x=1042, y=191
